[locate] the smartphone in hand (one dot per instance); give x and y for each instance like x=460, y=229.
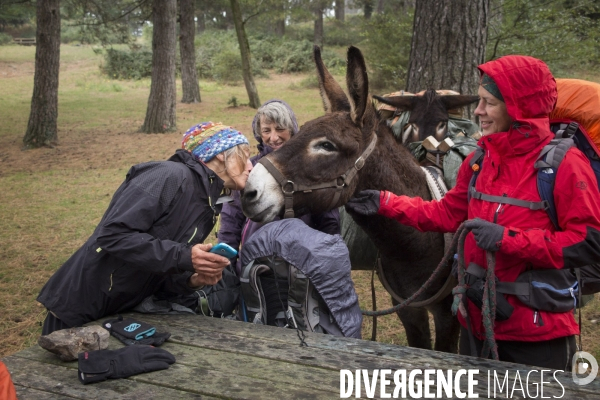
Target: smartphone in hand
x=224, y=250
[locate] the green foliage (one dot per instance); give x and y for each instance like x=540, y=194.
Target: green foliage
x=300, y=31
x=127, y=64
x=337, y=33
x=233, y=101
x=386, y=45
x=565, y=34
x=5, y=39
x=104, y=21
x=16, y=13
x=289, y=56
x=72, y=31
x=218, y=57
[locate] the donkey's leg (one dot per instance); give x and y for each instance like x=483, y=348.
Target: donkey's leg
x=447, y=327
x=416, y=325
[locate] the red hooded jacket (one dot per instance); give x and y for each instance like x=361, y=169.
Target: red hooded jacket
x=531, y=241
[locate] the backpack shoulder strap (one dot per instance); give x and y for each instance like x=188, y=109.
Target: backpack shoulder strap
x=547, y=165
x=553, y=153
x=477, y=159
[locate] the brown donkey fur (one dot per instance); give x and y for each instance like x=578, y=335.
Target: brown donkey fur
x=324, y=149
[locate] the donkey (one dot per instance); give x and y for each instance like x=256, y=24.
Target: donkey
x=315, y=171
x=428, y=113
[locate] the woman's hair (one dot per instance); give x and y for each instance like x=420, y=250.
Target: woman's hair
x=239, y=154
x=275, y=112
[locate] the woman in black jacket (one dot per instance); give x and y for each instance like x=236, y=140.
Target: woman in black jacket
x=150, y=237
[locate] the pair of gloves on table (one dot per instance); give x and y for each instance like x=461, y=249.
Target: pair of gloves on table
x=488, y=235
x=138, y=356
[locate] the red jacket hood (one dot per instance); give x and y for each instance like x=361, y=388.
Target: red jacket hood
x=529, y=92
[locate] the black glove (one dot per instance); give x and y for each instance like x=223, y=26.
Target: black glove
x=365, y=202
x=97, y=366
x=488, y=235
x=130, y=331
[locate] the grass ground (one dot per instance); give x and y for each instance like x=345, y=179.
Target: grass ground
x=51, y=199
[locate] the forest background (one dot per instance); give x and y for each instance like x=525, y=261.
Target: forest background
x=52, y=197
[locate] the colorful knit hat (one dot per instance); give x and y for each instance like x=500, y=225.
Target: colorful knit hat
x=488, y=84
x=207, y=139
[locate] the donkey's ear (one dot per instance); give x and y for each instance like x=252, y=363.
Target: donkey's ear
x=400, y=102
x=332, y=94
x=456, y=101
x=358, y=84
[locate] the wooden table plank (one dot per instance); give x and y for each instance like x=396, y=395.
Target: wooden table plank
x=205, y=362
x=333, y=353
x=228, y=359
x=61, y=381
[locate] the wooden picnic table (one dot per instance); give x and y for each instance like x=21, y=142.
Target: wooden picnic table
x=25, y=41
x=219, y=359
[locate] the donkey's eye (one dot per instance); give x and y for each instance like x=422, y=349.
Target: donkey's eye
x=327, y=146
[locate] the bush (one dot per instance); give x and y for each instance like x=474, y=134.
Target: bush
x=288, y=56
x=300, y=31
x=386, y=45
x=128, y=64
x=218, y=57
x=70, y=34
x=337, y=33
x=5, y=39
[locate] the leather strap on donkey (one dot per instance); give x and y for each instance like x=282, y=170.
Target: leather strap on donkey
x=289, y=187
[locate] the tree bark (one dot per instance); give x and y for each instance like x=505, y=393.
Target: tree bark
x=160, y=114
x=380, y=6
x=200, y=23
x=448, y=43
x=318, y=35
x=280, y=21
x=340, y=10
x=189, y=78
x=254, y=101
x=368, y=8
x=42, y=127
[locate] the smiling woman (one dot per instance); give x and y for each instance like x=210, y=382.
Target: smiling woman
x=274, y=125
x=517, y=95
x=491, y=109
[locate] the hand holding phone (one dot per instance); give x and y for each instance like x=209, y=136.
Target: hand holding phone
x=224, y=250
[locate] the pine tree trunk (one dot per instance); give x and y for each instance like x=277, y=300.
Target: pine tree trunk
x=318, y=38
x=189, y=78
x=340, y=10
x=200, y=23
x=280, y=20
x=368, y=8
x=42, y=127
x=254, y=101
x=448, y=44
x=160, y=114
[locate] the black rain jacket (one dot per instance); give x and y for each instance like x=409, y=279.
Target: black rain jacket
x=143, y=243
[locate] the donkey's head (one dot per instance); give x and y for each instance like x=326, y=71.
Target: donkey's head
x=316, y=169
x=428, y=113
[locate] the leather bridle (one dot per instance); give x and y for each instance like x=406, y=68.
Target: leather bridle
x=289, y=187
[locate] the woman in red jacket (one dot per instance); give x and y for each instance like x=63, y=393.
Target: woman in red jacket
x=517, y=93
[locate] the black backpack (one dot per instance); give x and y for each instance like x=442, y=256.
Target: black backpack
x=277, y=293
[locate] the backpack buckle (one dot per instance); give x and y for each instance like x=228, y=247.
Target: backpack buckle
x=289, y=315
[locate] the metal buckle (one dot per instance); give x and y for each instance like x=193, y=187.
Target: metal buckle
x=283, y=187
x=359, y=163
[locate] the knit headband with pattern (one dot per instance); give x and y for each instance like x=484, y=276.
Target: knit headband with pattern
x=207, y=139
x=488, y=84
